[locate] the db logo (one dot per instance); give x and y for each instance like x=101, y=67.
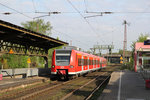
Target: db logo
x=62, y=67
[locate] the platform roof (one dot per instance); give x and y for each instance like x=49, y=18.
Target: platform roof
x=139, y=46
x=18, y=35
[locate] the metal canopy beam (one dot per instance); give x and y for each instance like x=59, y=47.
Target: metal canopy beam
x=21, y=41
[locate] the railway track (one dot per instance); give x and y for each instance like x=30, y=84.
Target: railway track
x=71, y=93
x=62, y=90
x=52, y=89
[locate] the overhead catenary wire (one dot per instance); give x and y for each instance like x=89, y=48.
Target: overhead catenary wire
x=34, y=6
x=85, y=4
x=16, y=11
x=83, y=17
x=68, y=36
x=67, y=12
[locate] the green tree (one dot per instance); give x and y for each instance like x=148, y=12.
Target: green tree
x=38, y=26
x=42, y=27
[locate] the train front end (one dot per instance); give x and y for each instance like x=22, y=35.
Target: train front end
x=61, y=66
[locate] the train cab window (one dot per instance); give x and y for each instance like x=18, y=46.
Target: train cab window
x=62, y=60
x=63, y=57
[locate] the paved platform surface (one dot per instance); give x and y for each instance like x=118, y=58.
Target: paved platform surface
x=125, y=85
x=7, y=83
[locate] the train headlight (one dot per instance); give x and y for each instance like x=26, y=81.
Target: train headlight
x=71, y=66
x=53, y=66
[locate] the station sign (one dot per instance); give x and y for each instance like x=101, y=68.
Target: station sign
x=121, y=58
x=11, y=51
x=147, y=42
x=28, y=60
x=104, y=46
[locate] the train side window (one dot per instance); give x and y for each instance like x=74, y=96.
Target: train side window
x=79, y=62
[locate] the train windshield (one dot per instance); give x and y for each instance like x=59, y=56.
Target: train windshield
x=62, y=57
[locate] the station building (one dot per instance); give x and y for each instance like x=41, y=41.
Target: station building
x=142, y=55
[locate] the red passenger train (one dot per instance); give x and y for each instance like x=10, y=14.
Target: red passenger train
x=66, y=63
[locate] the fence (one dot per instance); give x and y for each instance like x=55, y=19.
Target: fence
x=145, y=71
x=25, y=72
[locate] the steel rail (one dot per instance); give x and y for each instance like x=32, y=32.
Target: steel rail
x=100, y=85
x=69, y=94
x=22, y=86
x=41, y=91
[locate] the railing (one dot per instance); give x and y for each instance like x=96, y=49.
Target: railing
x=7, y=73
x=145, y=71
x=25, y=72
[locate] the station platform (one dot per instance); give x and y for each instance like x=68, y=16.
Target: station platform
x=10, y=83
x=125, y=85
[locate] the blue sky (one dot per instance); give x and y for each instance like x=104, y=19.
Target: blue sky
x=72, y=27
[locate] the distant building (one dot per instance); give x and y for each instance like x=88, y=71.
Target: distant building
x=115, y=58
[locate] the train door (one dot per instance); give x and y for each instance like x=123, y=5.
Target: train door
x=97, y=63
x=88, y=61
x=94, y=60
x=100, y=63
x=85, y=67
x=79, y=63
x=82, y=62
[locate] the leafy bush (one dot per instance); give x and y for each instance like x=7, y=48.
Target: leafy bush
x=128, y=65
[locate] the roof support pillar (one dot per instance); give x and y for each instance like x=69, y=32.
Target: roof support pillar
x=46, y=62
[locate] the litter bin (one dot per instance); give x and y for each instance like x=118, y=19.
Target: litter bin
x=1, y=76
x=147, y=83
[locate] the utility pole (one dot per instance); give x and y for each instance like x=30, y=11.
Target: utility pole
x=125, y=40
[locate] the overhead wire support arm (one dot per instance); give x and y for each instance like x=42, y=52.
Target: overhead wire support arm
x=41, y=16
x=83, y=17
x=54, y=12
x=101, y=14
x=49, y=13
x=107, y=12
x=92, y=16
x=15, y=11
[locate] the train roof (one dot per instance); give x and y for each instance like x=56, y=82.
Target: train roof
x=83, y=53
x=86, y=54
